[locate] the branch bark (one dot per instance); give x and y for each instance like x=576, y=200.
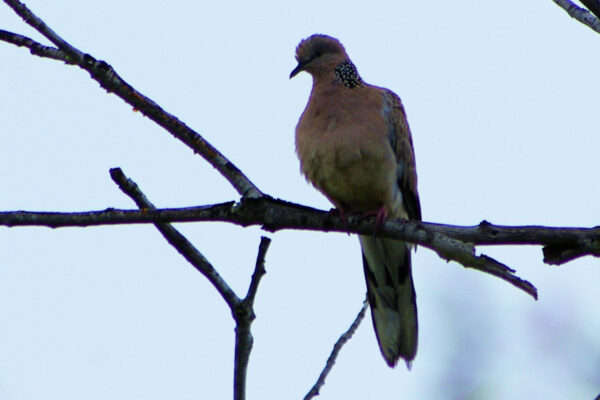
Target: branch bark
x=593, y=6
x=35, y=48
x=581, y=14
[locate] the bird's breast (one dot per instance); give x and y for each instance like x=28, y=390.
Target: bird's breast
x=350, y=162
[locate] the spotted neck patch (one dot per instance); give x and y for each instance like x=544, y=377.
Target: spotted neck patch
x=346, y=72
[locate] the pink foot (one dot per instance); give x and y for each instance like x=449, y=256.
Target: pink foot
x=381, y=215
x=342, y=213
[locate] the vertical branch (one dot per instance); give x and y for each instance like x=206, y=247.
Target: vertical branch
x=244, y=316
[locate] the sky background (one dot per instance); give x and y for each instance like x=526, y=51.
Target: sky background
x=503, y=105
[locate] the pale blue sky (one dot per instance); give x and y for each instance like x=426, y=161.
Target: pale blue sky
x=502, y=101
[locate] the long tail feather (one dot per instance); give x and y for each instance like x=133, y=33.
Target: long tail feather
x=391, y=294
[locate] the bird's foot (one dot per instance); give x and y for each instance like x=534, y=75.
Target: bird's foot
x=381, y=215
x=342, y=214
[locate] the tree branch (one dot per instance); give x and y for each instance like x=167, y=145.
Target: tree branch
x=593, y=6
x=108, y=78
x=580, y=14
x=337, y=347
x=177, y=240
x=455, y=243
x=274, y=214
x=259, y=270
x=557, y=254
x=244, y=316
x=451, y=249
x=34, y=47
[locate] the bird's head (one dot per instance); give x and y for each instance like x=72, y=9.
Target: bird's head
x=318, y=53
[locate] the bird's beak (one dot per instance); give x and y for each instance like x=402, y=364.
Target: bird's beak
x=297, y=70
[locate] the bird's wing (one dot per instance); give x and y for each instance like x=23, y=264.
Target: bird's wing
x=401, y=141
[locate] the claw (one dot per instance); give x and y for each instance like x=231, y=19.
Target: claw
x=381, y=215
x=344, y=219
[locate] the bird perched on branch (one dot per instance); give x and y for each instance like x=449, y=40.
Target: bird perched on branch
x=355, y=146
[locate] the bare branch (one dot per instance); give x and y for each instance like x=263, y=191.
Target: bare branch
x=108, y=78
x=112, y=216
x=244, y=316
x=593, y=6
x=177, y=240
x=487, y=234
x=274, y=215
x=562, y=253
x=259, y=270
x=580, y=14
x=31, y=19
x=337, y=347
x=37, y=49
x=451, y=249
x=450, y=242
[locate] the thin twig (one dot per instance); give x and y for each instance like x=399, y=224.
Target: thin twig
x=34, y=47
x=259, y=270
x=31, y=19
x=580, y=14
x=177, y=240
x=337, y=347
x=108, y=78
x=244, y=316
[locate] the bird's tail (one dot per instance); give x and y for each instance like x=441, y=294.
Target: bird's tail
x=392, y=297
